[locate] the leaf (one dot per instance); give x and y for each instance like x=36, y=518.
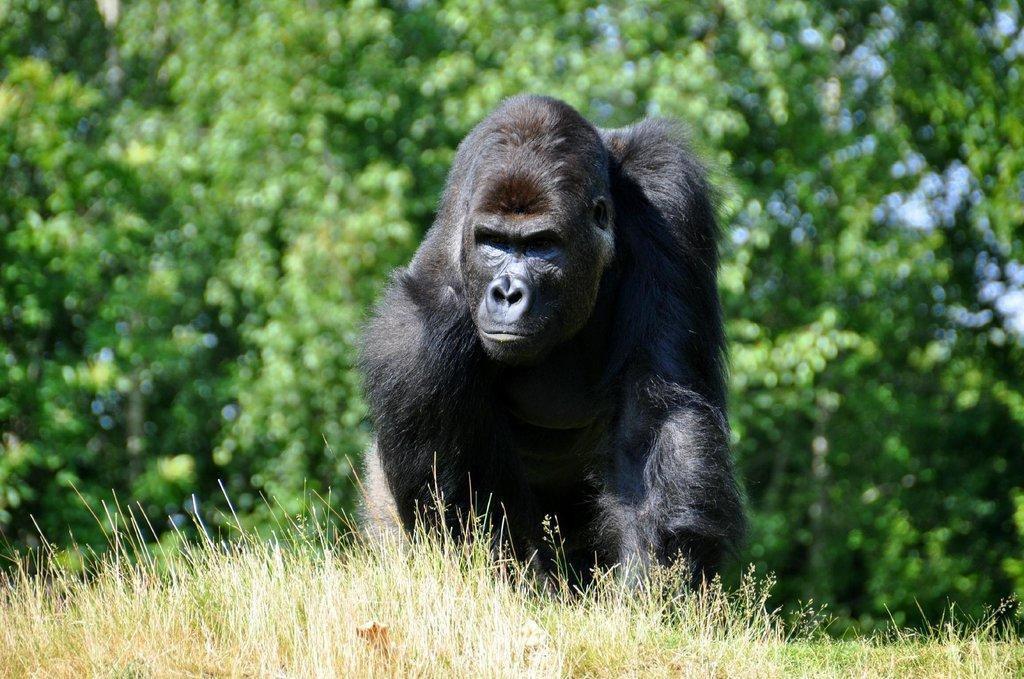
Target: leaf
x=376, y=635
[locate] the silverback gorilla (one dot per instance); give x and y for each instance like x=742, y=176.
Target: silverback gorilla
x=555, y=349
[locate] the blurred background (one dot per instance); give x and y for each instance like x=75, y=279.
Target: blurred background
x=198, y=200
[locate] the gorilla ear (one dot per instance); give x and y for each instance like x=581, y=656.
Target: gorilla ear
x=600, y=213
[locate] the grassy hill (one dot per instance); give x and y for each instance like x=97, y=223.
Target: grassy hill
x=306, y=604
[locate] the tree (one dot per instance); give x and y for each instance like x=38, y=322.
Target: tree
x=203, y=198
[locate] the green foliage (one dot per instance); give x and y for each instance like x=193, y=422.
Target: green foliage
x=201, y=199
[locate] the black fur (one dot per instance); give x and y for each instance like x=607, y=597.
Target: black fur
x=634, y=462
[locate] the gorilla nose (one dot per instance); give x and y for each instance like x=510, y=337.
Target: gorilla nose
x=508, y=298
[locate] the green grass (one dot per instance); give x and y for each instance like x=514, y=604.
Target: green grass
x=302, y=606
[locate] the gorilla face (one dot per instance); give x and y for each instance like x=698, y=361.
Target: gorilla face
x=532, y=277
x=536, y=229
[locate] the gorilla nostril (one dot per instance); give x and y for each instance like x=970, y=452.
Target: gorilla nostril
x=507, y=298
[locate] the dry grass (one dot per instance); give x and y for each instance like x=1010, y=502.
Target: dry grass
x=300, y=608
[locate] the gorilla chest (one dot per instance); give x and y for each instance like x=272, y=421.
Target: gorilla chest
x=556, y=422
x=560, y=394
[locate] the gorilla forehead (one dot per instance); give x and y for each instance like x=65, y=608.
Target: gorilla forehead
x=537, y=154
x=542, y=123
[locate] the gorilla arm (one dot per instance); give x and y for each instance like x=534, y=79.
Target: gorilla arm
x=409, y=358
x=672, y=492
x=671, y=489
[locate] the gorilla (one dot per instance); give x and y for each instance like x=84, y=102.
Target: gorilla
x=554, y=353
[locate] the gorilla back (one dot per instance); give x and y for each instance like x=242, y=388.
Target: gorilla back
x=555, y=349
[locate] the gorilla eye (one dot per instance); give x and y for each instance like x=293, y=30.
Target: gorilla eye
x=544, y=243
x=601, y=213
x=489, y=239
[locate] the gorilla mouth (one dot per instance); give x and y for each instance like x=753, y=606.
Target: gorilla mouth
x=503, y=335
